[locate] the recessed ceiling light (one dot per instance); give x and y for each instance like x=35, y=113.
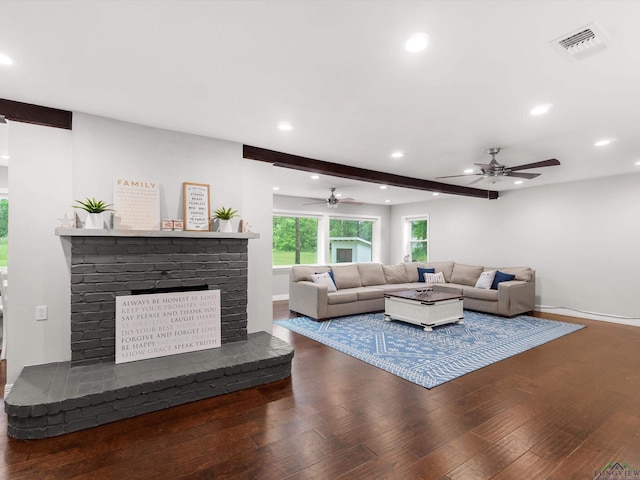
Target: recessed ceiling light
x=603, y=142
x=519, y=182
x=4, y=157
x=540, y=109
x=276, y=188
x=637, y=163
x=387, y=201
x=285, y=126
x=435, y=194
x=469, y=170
x=4, y=60
x=315, y=177
x=383, y=187
x=416, y=42
x=397, y=154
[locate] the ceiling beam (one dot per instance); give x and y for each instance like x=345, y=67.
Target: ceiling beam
x=36, y=114
x=286, y=160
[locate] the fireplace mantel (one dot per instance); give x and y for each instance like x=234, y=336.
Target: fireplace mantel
x=88, y=232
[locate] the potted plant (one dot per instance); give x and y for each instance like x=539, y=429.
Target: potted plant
x=95, y=209
x=224, y=216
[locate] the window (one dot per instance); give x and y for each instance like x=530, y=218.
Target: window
x=350, y=235
x=417, y=238
x=295, y=240
x=318, y=238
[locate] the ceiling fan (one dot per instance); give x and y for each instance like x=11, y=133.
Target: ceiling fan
x=493, y=170
x=333, y=201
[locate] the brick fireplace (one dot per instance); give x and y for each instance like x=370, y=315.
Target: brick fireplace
x=90, y=390
x=105, y=267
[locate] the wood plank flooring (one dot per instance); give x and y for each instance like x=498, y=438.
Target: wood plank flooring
x=560, y=411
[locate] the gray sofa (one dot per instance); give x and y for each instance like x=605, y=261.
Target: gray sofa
x=361, y=288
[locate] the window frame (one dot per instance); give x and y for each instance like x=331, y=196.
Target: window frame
x=407, y=221
x=323, y=249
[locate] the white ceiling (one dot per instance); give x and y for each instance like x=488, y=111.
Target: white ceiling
x=338, y=72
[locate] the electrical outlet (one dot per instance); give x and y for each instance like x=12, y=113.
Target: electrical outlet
x=41, y=312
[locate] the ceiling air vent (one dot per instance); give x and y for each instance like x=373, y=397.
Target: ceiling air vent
x=581, y=43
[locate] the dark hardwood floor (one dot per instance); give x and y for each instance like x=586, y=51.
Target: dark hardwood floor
x=559, y=411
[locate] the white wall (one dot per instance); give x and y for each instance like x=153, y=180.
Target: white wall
x=40, y=181
x=51, y=167
x=296, y=204
x=580, y=237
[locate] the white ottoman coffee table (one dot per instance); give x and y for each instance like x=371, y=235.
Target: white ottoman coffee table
x=428, y=309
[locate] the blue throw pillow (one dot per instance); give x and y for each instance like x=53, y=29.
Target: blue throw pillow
x=501, y=277
x=424, y=270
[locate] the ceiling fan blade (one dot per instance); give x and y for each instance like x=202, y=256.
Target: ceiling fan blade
x=465, y=175
x=476, y=180
x=522, y=175
x=350, y=202
x=315, y=203
x=545, y=163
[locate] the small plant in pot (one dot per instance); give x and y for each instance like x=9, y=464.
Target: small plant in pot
x=95, y=209
x=224, y=216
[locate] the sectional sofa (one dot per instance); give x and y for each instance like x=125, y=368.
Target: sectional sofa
x=360, y=287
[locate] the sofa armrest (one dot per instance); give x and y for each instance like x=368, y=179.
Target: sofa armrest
x=309, y=299
x=516, y=297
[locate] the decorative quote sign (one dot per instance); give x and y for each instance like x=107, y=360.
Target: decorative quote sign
x=196, y=206
x=136, y=204
x=157, y=325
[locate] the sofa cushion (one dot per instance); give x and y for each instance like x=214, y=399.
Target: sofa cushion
x=501, y=277
x=371, y=274
x=299, y=273
x=486, y=279
x=346, y=276
x=342, y=296
x=480, y=293
x=324, y=279
x=521, y=273
x=465, y=274
x=369, y=293
x=412, y=270
x=395, y=274
x=445, y=267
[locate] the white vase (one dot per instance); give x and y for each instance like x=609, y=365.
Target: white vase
x=94, y=221
x=225, y=226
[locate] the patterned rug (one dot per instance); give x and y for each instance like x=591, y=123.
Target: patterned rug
x=431, y=358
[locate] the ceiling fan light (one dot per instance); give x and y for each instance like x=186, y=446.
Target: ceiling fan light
x=332, y=205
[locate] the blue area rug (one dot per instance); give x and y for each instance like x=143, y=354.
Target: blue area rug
x=431, y=358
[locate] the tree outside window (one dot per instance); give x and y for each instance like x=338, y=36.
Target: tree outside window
x=419, y=239
x=295, y=240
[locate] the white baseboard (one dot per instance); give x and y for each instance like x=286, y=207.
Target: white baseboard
x=278, y=298
x=635, y=322
x=7, y=389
